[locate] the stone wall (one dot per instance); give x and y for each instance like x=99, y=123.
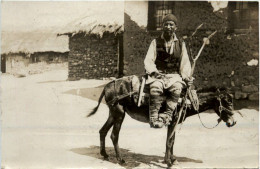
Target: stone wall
x=91, y=56
x=223, y=63
x=136, y=43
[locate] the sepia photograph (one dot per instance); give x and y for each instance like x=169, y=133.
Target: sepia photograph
x=129, y=84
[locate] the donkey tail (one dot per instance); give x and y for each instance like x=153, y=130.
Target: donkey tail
x=99, y=101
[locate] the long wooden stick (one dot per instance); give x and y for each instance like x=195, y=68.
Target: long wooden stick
x=197, y=29
x=141, y=92
x=192, y=71
x=198, y=55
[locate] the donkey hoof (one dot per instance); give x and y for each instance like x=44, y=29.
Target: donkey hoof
x=106, y=158
x=175, y=162
x=104, y=154
x=121, y=161
x=169, y=164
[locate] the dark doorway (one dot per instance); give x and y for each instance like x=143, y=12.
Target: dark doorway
x=242, y=15
x=3, y=63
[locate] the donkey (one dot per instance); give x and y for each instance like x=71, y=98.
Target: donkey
x=119, y=97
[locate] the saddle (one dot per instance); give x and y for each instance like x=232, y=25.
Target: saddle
x=142, y=95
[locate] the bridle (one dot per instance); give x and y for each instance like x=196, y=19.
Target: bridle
x=221, y=108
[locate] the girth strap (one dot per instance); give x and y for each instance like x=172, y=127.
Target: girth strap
x=124, y=95
x=115, y=100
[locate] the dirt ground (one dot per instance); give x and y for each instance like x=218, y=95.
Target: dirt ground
x=44, y=125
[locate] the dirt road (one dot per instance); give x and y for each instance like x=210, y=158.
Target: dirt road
x=44, y=125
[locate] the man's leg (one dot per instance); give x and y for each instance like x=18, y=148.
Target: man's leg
x=171, y=102
x=156, y=91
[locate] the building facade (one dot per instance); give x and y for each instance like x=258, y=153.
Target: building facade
x=13, y=62
x=224, y=62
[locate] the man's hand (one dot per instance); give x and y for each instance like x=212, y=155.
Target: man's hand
x=156, y=75
x=189, y=81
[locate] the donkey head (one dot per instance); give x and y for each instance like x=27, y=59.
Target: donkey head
x=223, y=106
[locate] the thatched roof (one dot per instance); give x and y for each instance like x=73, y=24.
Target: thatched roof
x=94, y=25
x=30, y=42
x=107, y=18
x=33, y=26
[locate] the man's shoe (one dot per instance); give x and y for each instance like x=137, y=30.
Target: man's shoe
x=154, y=107
x=157, y=124
x=166, y=118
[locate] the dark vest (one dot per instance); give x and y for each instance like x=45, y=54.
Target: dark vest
x=164, y=61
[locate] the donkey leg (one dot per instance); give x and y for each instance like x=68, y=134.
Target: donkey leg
x=170, y=159
x=103, y=132
x=173, y=159
x=167, y=156
x=119, y=118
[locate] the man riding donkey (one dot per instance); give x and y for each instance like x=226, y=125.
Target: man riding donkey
x=168, y=67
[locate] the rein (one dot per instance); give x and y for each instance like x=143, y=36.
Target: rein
x=221, y=108
x=219, y=120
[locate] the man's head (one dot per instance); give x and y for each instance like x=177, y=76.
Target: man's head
x=169, y=24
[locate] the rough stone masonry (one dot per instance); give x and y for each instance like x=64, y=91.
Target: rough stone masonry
x=92, y=57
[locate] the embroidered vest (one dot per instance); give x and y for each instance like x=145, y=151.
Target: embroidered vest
x=166, y=62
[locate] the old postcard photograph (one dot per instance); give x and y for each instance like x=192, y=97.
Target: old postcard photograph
x=129, y=84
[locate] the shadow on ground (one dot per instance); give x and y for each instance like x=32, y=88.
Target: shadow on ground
x=89, y=93
x=132, y=159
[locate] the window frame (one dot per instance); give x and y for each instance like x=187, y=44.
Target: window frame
x=153, y=6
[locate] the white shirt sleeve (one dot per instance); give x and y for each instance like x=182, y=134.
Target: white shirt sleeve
x=185, y=66
x=149, y=61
